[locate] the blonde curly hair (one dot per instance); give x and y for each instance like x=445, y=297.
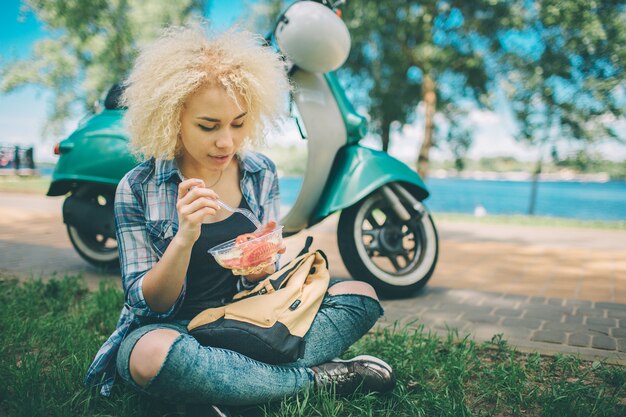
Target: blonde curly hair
x=183, y=60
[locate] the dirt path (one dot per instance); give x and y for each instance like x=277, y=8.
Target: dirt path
x=574, y=263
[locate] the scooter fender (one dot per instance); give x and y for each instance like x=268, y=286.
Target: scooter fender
x=357, y=172
x=95, y=153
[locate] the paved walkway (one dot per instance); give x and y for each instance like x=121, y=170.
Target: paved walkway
x=552, y=290
x=550, y=325
x=547, y=289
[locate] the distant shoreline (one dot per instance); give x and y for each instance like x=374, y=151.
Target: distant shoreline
x=504, y=176
x=519, y=176
x=564, y=176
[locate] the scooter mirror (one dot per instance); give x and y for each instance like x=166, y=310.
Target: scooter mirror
x=97, y=106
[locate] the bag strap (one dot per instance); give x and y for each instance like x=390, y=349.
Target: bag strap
x=278, y=281
x=323, y=256
x=307, y=246
x=262, y=291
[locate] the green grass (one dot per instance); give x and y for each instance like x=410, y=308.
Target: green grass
x=537, y=221
x=24, y=184
x=51, y=331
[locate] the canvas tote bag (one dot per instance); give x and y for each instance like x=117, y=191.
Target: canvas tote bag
x=269, y=321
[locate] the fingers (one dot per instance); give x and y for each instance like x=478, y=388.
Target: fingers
x=255, y=277
x=201, y=215
x=192, y=190
x=201, y=203
x=270, y=269
x=266, y=228
x=198, y=193
x=189, y=184
x=195, y=202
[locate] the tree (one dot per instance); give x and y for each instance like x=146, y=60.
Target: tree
x=564, y=74
x=93, y=44
x=459, y=135
x=261, y=16
x=432, y=51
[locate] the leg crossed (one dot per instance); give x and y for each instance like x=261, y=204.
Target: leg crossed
x=353, y=287
x=347, y=312
x=149, y=353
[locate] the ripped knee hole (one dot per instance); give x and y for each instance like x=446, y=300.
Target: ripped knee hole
x=354, y=288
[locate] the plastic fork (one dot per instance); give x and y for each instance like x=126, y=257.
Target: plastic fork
x=245, y=212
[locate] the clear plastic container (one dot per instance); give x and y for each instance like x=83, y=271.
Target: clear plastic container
x=250, y=256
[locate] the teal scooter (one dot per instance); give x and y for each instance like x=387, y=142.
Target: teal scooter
x=386, y=235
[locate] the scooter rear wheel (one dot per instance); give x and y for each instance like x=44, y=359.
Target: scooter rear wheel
x=99, y=250
x=396, y=257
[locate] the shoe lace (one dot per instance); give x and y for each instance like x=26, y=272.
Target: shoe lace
x=337, y=377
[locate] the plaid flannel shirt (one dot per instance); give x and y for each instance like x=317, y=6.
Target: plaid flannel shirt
x=146, y=221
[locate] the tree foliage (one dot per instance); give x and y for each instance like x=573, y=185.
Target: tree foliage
x=563, y=74
x=92, y=45
x=261, y=16
x=565, y=71
x=560, y=63
x=429, y=51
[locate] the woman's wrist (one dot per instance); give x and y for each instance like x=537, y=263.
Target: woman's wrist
x=180, y=243
x=247, y=282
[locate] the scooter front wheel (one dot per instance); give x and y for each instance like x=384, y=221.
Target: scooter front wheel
x=97, y=248
x=396, y=257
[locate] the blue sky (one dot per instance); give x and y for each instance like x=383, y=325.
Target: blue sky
x=22, y=113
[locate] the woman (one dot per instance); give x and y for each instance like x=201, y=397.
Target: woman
x=194, y=104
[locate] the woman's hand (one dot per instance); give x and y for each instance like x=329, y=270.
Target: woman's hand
x=195, y=204
x=254, y=278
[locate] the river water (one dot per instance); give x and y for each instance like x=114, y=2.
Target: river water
x=565, y=199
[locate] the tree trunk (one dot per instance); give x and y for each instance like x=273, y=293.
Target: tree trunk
x=534, y=187
x=385, y=133
x=430, y=100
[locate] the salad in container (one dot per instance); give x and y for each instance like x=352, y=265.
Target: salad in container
x=250, y=253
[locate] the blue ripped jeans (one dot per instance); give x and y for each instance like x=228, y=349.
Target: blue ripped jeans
x=193, y=373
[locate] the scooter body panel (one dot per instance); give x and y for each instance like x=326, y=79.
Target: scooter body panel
x=357, y=172
x=356, y=125
x=97, y=152
x=326, y=134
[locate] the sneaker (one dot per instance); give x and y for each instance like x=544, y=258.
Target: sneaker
x=366, y=372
